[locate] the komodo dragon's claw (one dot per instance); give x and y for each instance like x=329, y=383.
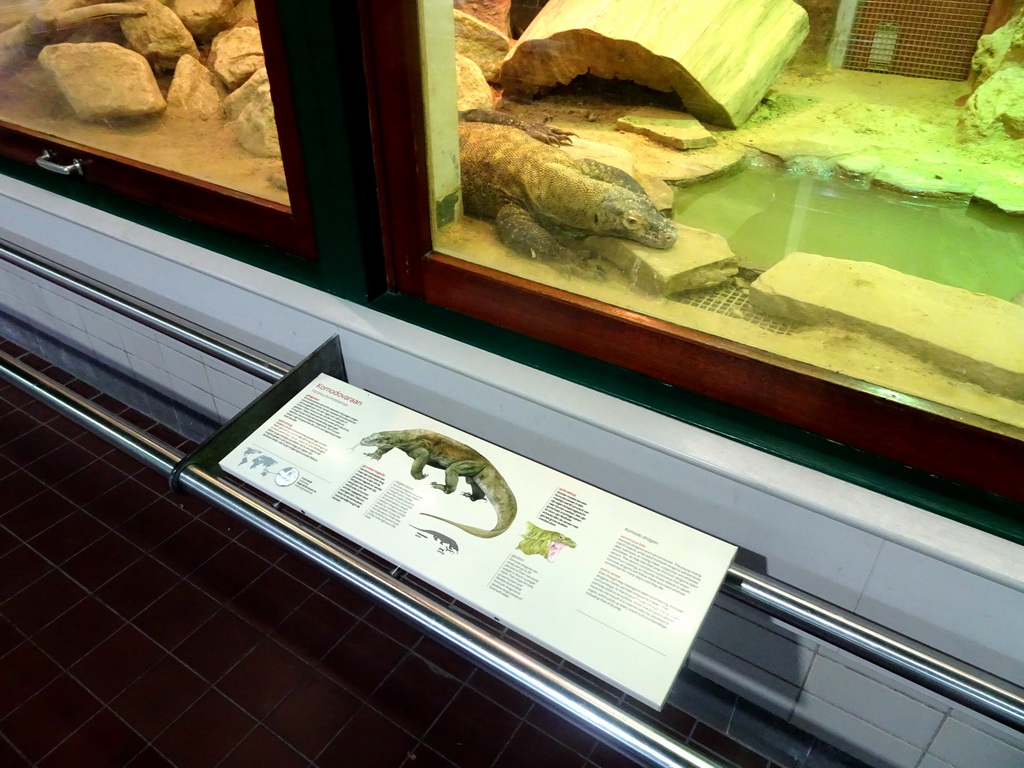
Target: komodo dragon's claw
x=549, y=134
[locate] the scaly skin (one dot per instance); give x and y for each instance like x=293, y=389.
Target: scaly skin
x=512, y=174
x=430, y=449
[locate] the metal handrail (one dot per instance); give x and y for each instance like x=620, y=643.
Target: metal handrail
x=955, y=680
x=607, y=722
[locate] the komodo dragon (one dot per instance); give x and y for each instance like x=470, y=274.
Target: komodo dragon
x=430, y=449
x=512, y=175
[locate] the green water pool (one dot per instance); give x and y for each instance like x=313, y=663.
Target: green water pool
x=765, y=213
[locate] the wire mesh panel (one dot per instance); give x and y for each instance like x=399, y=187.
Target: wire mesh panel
x=920, y=38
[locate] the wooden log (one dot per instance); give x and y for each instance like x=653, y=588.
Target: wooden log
x=720, y=56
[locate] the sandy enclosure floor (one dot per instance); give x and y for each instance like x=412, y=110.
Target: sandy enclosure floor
x=206, y=150
x=906, y=121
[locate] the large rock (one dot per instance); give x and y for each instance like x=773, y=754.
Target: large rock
x=236, y=55
x=719, y=56
x=473, y=90
x=996, y=108
x=970, y=336
x=194, y=92
x=493, y=12
x=103, y=81
x=699, y=259
x=482, y=43
x=252, y=110
x=204, y=18
x=160, y=36
x=1003, y=46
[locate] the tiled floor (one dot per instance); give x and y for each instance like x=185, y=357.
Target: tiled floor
x=139, y=627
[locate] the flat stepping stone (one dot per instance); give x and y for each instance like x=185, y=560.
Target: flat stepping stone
x=970, y=336
x=699, y=259
x=673, y=129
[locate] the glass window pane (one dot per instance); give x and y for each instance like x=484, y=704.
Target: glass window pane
x=180, y=85
x=834, y=183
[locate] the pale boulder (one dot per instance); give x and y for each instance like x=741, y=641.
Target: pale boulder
x=159, y=35
x=482, y=43
x=103, y=81
x=996, y=108
x=473, y=90
x=194, y=92
x=241, y=98
x=236, y=55
x=493, y=12
x=204, y=18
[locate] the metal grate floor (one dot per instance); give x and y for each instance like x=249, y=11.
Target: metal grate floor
x=729, y=299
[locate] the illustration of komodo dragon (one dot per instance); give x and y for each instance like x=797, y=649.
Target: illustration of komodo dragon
x=430, y=449
x=512, y=174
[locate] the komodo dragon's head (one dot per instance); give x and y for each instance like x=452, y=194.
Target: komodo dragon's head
x=623, y=213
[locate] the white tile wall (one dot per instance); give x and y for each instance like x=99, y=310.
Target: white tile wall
x=862, y=739
x=940, y=605
x=960, y=744
x=806, y=526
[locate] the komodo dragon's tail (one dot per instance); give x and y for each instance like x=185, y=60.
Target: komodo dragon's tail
x=483, y=533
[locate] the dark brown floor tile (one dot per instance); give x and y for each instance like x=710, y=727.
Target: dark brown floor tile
x=423, y=756
x=66, y=459
x=8, y=541
x=362, y=659
x=156, y=699
x=190, y=547
x=83, y=388
x=135, y=418
x=270, y=599
x=49, y=717
x=105, y=741
x=117, y=662
x=499, y=691
x=15, y=425
x=369, y=740
x=32, y=360
x=314, y=628
x=121, y=502
x=385, y=621
x=33, y=444
x=77, y=631
x=414, y=694
x=205, y=733
x=68, y=537
x=556, y=726
x=101, y=561
x=10, y=637
x=127, y=464
x=108, y=403
x=41, y=602
x=166, y=435
x=263, y=748
x=604, y=756
x=17, y=397
x=94, y=444
x=448, y=660
x=37, y=514
x=263, y=678
x=218, y=644
x=11, y=758
x=153, y=524
x=6, y=467
x=137, y=586
x=89, y=483
x=23, y=671
x=176, y=614
x=529, y=746
x=269, y=550
x=149, y=757
x=311, y=715
x=719, y=744
x=40, y=412
x=345, y=596
x=231, y=570
x=457, y=733
x=20, y=567
x=298, y=567
x=18, y=487
x=58, y=374
x=150, y=478
x=67, y=428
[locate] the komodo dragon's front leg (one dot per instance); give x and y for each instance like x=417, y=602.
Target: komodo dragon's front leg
x=520, y=231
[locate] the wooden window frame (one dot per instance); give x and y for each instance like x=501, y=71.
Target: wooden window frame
x=908, y=430
x=286, y=227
